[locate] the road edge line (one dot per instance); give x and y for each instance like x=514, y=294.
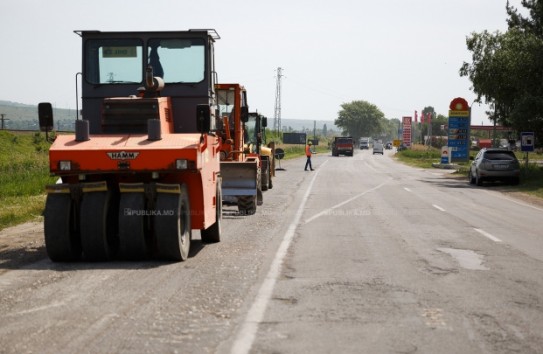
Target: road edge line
x=246, y=336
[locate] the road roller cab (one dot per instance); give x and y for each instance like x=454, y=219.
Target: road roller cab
x=142, y=169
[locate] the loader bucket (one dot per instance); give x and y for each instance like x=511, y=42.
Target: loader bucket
x=238, y=178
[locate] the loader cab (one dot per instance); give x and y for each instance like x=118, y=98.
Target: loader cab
x=232, y=104
x=115, y=65
x=232, y=97
x=254, y=128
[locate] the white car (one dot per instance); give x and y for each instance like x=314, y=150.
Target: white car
x=378, y=148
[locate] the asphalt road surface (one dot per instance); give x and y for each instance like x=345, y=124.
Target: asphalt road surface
x=362, y=255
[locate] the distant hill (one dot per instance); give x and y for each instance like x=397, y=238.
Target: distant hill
x=19, y=116
x=298, y=125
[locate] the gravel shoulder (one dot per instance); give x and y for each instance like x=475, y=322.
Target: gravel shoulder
x=20, y=245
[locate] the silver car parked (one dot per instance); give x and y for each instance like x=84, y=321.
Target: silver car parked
x=493, y=164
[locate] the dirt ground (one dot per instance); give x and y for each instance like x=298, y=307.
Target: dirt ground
x=20, y=245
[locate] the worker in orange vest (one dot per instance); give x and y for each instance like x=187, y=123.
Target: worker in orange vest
x=308, y=154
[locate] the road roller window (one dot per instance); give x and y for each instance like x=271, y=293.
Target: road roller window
x=114, y=61
x=177, y=60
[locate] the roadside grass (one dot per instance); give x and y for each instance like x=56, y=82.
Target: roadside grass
x=419, y=156
x=24, y=172
x=531, y=178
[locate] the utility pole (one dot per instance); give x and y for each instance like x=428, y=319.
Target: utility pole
x=277, y=115
x=3, y=120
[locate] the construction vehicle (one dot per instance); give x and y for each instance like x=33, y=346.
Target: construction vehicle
x=256, y=138
x=142, y=170
x=245, y=164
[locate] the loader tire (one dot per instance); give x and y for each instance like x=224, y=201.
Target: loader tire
x=172, y=226
x=62, y=242
x=97, y=221
x=265, y=175
x=213, y=233
x=270, y=180
x=259, y=194
x=247, y=205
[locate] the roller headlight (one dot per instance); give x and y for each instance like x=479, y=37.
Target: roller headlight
x=181, y=164
x=65, y=165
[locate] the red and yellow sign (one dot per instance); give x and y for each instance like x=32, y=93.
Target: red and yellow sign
x=459, y=104
x=459, y=135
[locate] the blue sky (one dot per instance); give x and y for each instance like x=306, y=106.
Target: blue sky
x=400, y=55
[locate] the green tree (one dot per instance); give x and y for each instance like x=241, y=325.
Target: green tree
x=391, y=129
x=533, y=23
x=507, y=68
x=360, y=118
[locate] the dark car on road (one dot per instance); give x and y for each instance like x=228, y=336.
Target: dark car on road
x=494, y=164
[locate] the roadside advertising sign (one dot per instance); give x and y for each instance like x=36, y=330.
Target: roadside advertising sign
x=527, y=141
x=459, y=130
x=406, y=130
x=295, y=138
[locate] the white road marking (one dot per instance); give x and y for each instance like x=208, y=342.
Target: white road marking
x=438, y=207
x=246, y=335
x=487, y=235
x=407, y=189
x=41, y=308
x=327, y=211
x=371, y=167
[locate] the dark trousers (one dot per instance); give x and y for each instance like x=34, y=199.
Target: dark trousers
x=308, y=163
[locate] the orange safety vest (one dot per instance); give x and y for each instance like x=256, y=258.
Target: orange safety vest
x=307, y=150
